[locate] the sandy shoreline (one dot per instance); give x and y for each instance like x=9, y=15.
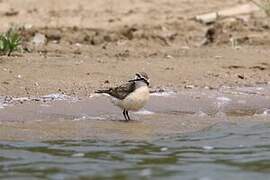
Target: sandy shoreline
x=110, y=44
x=32, y=75
x=166, y=115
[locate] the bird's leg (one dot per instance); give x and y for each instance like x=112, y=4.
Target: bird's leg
x=124, y=113
x=127, y=115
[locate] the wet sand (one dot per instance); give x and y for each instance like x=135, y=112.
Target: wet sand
x=166, y=114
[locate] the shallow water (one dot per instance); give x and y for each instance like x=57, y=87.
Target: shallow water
x=224, y=151
x=204, y=135
x=56, y=117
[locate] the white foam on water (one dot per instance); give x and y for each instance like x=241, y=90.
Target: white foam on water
x=250, y=90
x=21, y=99
x=3, y=103
x=54, y=96
x=164, y=149
x=265, y=112
x=82, y=118
x=144, y=112
x=78, y=155
x=163, y=94
x=57, y=96
x=259, y=88
x=45, y=105
x=49, y=97
x=223, y=99
x=208, y=147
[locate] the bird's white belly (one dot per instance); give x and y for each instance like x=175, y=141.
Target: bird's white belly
x=135, y=100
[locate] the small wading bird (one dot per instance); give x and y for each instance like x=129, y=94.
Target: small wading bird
x=130, y=96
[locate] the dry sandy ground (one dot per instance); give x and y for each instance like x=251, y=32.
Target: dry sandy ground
x=92, y=44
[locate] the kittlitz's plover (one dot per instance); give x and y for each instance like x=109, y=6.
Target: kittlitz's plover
x=130, y=96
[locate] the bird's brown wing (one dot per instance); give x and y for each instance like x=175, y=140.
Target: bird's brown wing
x=122, y=91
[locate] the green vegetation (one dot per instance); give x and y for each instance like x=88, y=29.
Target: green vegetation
x=9, y=42
x=264, y=5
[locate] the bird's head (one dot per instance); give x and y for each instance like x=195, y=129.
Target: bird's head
x=141, y=76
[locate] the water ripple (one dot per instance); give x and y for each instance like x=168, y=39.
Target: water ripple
x=220, y=152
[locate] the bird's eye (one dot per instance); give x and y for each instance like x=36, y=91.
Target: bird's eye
x=138, y=75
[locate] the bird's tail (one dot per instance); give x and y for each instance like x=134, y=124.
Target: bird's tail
x=107, y=91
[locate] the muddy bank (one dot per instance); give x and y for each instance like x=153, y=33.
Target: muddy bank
x=166, y=114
